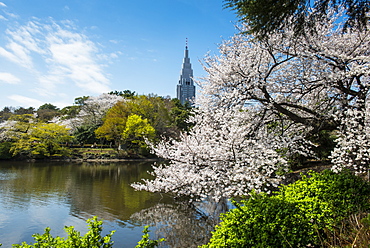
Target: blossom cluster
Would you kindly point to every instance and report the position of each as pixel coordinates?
(216, 159)
(353, 142)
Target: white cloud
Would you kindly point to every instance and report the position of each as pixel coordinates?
(26, 101)
(17, 54)
(11, 15)
(27, 37)
(2, 4)
(75, 57)
(8, 78)
(56, 53)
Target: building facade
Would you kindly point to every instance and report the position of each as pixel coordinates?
(186, 87)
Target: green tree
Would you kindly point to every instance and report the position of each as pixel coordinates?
(69, 111)
(150, 108)
(18, 125)
(136, 131)
(125, 93)
(23, 111)
(85, 134)
(47, 111)
(79, 101)
(167, 118)
(6, 113)
(180, 114)
(266, 16)
(114, 124)
(298, 215)
(42, 140)
(5, 150)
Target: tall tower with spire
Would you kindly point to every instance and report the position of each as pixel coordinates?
(186, 87)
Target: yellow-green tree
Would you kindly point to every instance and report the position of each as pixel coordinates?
(116, 117)
(156, 111)
(114, 123)
(136, 131)
(42, 140)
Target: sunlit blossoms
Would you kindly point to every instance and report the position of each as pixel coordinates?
(353, 149)
(266, 100)
(217, 159)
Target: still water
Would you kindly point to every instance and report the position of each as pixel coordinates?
(57, 194)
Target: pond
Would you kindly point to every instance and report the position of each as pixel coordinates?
(57, 194)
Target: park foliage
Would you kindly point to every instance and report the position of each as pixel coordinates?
(301, 214)
(93, 238)
(120, 120)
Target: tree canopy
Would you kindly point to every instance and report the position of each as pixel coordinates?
(132, 119)
(29, 137)
(266, 16)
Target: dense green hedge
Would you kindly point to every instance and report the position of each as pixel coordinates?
(296, 216)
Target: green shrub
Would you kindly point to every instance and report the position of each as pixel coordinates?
(145, 242)
(5, 150)
(262, 221)
(327, 197)
(296, 216)
(92, 239)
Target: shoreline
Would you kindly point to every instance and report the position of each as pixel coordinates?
(84, 160)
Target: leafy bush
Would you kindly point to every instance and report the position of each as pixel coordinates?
(145, 242)
(5, 150)
(261, 221)
(92, 239)
(296, 216)
(327, 197)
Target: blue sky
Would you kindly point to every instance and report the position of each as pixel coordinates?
(55, 51)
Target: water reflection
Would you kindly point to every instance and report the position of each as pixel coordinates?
(180, 225)
(36, 195)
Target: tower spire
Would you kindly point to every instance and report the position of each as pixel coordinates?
(186, 87)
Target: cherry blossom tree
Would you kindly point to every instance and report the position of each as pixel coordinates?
(92, 111)
(217, 159)
(262, 102)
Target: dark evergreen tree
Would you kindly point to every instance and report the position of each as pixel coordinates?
(266, 16)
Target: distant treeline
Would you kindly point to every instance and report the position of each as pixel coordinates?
(119, 119)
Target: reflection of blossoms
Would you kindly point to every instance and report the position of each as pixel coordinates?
(181, 225)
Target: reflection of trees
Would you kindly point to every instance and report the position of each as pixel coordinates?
(181, 225)
(104, 190)
(90, 189)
